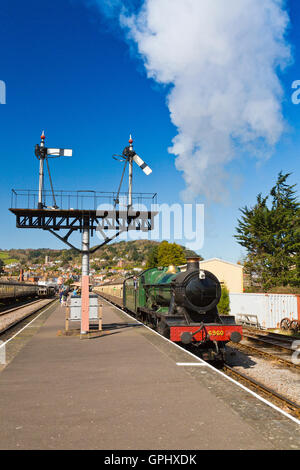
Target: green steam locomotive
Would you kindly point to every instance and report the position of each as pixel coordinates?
(181, 306)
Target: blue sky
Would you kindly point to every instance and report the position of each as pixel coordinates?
(69, 70)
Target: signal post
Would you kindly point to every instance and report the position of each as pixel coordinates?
(85, 281)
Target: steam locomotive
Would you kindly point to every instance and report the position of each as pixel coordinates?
(181, 306)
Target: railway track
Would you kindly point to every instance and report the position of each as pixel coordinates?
(14, 316)
(263, 390)
(274, 340)
(272, 347)
(271, 356)
(269, 345)
(269, 336)
(18, 307)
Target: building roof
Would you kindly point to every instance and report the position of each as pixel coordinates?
(222, 261)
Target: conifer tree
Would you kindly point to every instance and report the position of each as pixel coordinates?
(286, 230)
(271, 237)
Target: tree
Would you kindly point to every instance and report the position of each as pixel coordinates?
(35, 254)
(69, 282)
(134, 254)
(152, 260)
(166, 254)
(224, 304)
(286, 227)
(192, 254)
(1, 266)
(254, 233)
(170, 253)
(271, 237)
(66, 256)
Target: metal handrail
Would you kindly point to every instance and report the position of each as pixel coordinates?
(27, 198)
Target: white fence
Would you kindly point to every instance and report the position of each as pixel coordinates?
(269, 309)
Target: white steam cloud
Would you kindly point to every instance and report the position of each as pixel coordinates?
(221, 59)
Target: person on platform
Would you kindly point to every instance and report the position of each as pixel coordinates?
(61, 291)
(64, 296)
(75, 292)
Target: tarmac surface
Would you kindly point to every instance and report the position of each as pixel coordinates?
(124, 390)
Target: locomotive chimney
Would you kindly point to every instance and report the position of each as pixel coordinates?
(192, 264)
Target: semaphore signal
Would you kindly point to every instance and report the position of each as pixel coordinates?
(130, 156)
(43, 154)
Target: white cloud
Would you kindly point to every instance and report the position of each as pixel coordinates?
(221, 58)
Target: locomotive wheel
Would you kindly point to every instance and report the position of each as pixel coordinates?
(285, 324)
(295, 326)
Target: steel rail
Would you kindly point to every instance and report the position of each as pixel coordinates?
(293, 407)
(260, 333)
(19, 320)
(269, 356)
(285, 344)
(4, 312)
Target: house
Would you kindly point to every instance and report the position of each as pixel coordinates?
(230, 274)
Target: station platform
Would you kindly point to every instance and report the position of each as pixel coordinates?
(125, 390)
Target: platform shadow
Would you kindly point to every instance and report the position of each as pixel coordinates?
(103, 334)
(109, 329)
(120, 326)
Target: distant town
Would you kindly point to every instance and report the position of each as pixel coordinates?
(47, 266)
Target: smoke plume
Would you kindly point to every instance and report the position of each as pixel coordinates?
(221, 59)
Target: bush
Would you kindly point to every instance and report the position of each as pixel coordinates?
(224, 304)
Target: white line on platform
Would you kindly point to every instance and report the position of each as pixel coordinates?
(3, 344)
(192, 364)
(297, 421)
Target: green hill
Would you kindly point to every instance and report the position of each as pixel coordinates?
(132, 253)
